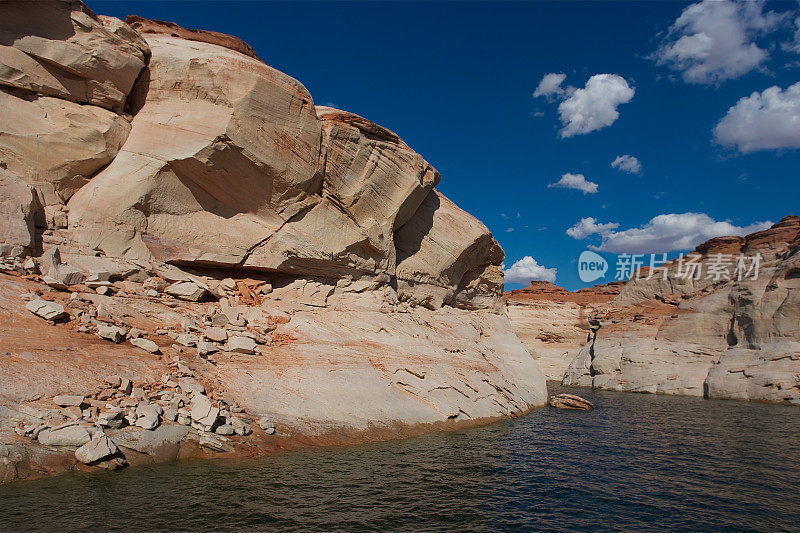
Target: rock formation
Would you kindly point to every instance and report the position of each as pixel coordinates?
(212, 223)
(703, 334)
(553, 322)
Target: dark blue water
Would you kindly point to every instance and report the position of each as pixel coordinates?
(637, 462)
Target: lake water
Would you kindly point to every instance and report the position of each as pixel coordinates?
(637, 462)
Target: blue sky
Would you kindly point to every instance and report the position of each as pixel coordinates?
(456, 81)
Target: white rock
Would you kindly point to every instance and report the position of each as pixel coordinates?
(206, 348)
(65, 436)
(45, 309)
(203, 412)
(244, 345)
(216, 334)
(145, 344)
(111, 333)
(186, 290)
(225, 429)
(96, 449)
(187, 339)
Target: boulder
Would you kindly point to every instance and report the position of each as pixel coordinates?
(100, 447)
(111, 333)
(145, 344)
(186, 290)
(55, 145)
(69, 400)
(63, 49)
(203, 412)
(113, 418)
(18, 204)
(65, 436)
(47, 310)
(241, 344)
(57, 272)
(187, 339)
(216, 334)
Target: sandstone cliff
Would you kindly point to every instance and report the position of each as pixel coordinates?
(701, 336)
(553, 323)
(199, 218)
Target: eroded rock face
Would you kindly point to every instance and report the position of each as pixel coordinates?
(18, 205)
(722, 339)
(63, 49)
(553, 322)
(222, 153)
(442, 252)
(57, 145)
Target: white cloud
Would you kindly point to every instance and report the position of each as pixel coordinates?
(627, 163)
(714, 40)
(550, 86)
(669, 232)
(595, 106)
(589, 109)
(527, 269)
(589, 226)
(769, 120)
(575, 181)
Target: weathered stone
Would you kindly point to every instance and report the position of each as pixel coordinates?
(113, 418)
(145, 344)
(570, 401)
(240, 427)
(100, 447)
(244, 345)
(224, 429)
(186, 290)
(111, 333)
(55, 145)
(216, 334)
(206, 348)
(187, 339)
(69, 400)
(203, 412)
(46, 310)
(238, 157)
(65, 436)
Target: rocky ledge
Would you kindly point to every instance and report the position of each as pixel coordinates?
(175, 209)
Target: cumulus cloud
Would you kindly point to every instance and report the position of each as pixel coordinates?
(627, 163)
(575, 181)
(769, 120)
(594, 107)
(589, 226)
(528, 269)
(666, 233)
(550, 86)
(714, 40)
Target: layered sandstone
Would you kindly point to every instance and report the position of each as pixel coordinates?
(553, 322)
(356, 297)
(705, 335)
